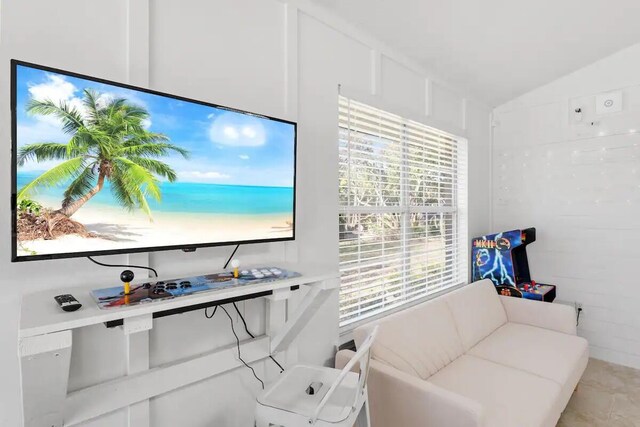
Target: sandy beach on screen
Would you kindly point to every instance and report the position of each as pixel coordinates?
(116, 229)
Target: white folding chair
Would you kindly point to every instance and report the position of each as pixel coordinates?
(319, 396)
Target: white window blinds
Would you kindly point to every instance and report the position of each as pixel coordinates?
(403, 225)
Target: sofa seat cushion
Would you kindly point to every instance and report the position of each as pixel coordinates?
(510, 397)
(543, 352)
(477, 311)
(419, 341)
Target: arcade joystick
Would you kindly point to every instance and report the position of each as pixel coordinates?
(235, 264)
(126, 277)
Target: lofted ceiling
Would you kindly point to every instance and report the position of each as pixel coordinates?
(496, 50)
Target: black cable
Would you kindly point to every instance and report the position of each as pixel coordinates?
(229, 260)
(212, 314)
(578, 316)
(244, 322)
(238, 346)
(123, 265)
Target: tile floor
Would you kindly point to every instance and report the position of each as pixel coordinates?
(607, 395)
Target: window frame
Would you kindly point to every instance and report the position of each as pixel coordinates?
(458, 266)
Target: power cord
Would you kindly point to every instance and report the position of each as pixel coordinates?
(212, 314)
(578, 308)
(123, 266)
(244, 322)
(230, 257)
(238, 345)
(578, 316)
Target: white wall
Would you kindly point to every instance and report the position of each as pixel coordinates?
(579, 184)
(274, 58)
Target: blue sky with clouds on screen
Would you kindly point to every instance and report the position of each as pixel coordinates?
(226, 147)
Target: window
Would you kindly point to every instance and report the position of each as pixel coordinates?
(403, 205)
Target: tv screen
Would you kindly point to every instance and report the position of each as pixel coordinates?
(101, 167)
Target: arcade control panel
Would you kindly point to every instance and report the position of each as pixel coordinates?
(538, 291)
(149, 292)
(533, 290)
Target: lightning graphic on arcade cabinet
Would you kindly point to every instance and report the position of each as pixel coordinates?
(493, 257)
(499, 264)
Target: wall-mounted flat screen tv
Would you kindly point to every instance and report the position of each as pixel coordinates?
(101, 168)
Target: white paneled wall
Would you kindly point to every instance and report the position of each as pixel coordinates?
(578, 183)
(402, 88)
(275, 58)
(228, 51)
(446, 107)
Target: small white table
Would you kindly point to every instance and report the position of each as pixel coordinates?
(44, 342)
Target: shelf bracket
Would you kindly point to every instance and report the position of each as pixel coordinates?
(308, 307)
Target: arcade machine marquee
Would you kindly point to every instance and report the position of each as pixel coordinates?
(502, 257)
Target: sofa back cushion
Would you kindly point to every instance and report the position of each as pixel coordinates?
(477, 311)
(419, 341)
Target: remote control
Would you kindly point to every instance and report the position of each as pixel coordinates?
(67, 302)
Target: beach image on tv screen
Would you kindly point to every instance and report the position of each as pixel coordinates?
(101, 167)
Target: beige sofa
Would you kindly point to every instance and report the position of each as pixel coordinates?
(474, 358)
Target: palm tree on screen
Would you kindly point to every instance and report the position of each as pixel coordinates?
(108, 142)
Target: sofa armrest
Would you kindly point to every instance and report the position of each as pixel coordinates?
(557, 317)
(399, 399)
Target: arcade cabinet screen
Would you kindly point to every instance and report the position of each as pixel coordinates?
(102, 167)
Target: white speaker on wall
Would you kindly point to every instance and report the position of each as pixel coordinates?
(610, 102)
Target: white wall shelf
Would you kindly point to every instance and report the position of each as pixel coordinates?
(45, 344)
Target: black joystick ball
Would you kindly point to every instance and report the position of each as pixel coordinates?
(126, 276)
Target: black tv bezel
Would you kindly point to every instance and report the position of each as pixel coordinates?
(189, 247)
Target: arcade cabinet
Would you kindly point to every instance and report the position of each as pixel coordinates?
(502, 258)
